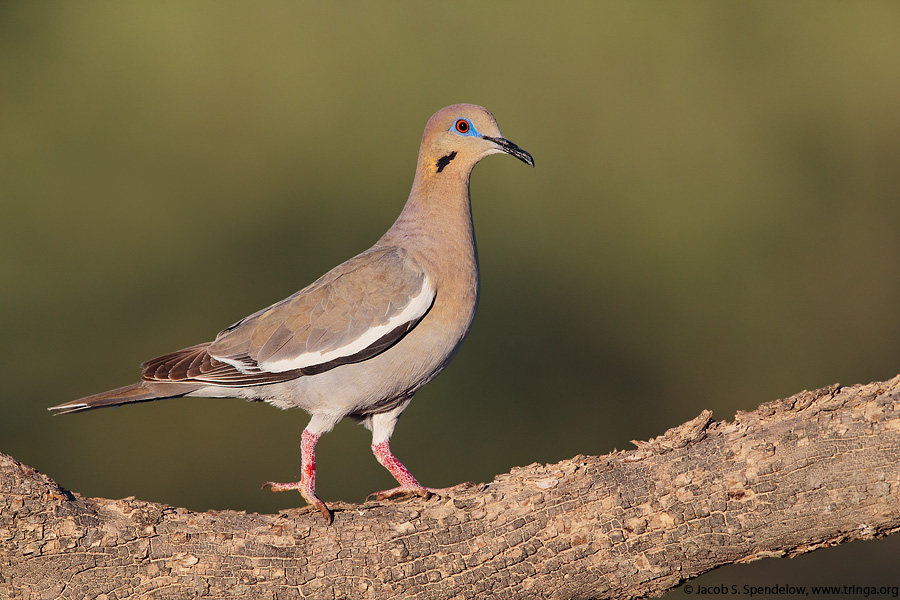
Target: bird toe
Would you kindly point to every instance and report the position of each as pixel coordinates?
(308, 494)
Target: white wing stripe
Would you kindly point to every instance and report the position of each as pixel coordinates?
(416, 307)
(244, 366)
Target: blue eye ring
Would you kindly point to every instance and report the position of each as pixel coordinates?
(464, 127)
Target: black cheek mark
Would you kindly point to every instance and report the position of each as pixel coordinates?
(444, 161)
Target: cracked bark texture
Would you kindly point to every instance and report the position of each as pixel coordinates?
(813, 470)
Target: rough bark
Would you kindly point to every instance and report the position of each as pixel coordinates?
(813, 470)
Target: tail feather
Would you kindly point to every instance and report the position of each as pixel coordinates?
(138, 392)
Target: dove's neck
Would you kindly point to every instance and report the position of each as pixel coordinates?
(436, 223)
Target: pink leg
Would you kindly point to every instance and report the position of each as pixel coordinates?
(408, 484)
(307, 484)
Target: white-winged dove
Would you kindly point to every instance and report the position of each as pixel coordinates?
(363, 338)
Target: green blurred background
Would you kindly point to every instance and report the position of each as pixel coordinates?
(713, 223)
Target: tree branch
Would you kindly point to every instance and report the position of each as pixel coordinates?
(813, 470)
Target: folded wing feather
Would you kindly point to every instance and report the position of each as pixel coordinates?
(353, 312)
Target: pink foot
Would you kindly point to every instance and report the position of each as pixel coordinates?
(408, 487)
(308, 495)
(307, 484)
